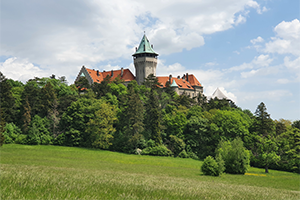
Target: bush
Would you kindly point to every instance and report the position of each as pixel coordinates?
(235, 156)
(210, 167)
(176, 145)
(159, 150)
(183, 154)
(59, 140)
(21, 139)
(11, 133)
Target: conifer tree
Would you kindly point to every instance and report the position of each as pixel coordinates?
(26, 115)
(48, 97)
(153, 118)
(263, 124)
(7, 101)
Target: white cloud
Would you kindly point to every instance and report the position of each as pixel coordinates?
(293, 66)
(276, 95)
(283, 81)
(287, 39)
(258, 62)
(255, 5)
(20, 69)
(62, 37)
(257, 40)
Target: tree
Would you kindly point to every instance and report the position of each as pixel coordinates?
(197, 136)
(7, 101)
(174, 122)
(153, 119)
(151, 82)
(74, 121)
(132, 118)
(235, 156)
(102, 88)
(263, 124)
(211, 167)
(101, 126)
(176, 145)
(296, 124)
(48, 97)
(82, 84)
(267, 151)
(38, 131)
(26, 115)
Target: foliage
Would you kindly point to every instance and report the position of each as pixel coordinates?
(197, 136)
(38, 132)
(267, 149)
(11, 133)
(176, 145)
(235, 156)
(210, 167)
(183, 154)
(263, 124)
(174, 122)
(159, 150)
(100, 128)
(152, 119)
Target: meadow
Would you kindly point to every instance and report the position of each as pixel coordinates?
(56, 172)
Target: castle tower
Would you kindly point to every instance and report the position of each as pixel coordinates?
(145, 60)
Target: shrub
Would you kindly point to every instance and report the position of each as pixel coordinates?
(21, 139)
(210, 167)
(11, 132)
(59, 140)
(235, 156)
(183, 154)
(159, 150)
(176, 145)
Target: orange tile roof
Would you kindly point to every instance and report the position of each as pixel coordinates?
(182, 84)
(127, 75)
(193, 80)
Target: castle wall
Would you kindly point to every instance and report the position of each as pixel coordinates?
(144, 66)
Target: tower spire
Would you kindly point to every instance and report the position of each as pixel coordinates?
(145, 60)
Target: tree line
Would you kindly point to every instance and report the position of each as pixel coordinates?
(142, 119)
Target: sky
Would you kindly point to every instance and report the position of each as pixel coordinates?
(249, 49)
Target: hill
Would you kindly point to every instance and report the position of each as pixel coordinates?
(55, 172)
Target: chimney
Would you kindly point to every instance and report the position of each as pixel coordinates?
(178, 77)
(112, 73)
(170, 79)
(135, 48)
(183, 77)
(187, 77)
(122, 71)
(152, 46)
(97, 72)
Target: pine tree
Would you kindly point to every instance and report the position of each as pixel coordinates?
(48, 97)
(26, 115)
(153, 118)
(7, 101)
(263, 124)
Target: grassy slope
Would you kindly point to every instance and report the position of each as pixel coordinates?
(54, 172)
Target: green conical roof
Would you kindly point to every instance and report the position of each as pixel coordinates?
(174, 84)
(145, 47)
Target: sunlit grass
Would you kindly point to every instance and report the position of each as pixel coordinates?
(50, 172)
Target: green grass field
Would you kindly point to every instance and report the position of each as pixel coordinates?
(53, 172)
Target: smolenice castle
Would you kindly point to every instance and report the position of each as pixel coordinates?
(145, 62)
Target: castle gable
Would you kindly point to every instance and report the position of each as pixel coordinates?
(95, 76)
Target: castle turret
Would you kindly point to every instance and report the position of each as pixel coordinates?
(145, 60)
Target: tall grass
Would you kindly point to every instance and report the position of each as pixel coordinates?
(50, 172)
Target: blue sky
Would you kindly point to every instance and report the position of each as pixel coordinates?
(249, 49)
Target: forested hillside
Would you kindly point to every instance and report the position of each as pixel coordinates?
(141, 119)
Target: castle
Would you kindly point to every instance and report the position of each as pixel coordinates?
(145, 62)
